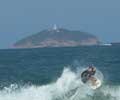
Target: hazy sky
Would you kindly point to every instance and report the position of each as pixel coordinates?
(20, 18)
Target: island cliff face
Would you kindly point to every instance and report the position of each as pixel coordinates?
(57, 38)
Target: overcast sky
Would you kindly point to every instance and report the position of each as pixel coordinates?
(20, 18)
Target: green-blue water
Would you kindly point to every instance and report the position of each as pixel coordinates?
(52, 73)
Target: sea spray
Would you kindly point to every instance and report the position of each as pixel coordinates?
(67, 87)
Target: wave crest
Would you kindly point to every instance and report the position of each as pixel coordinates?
(67, 87)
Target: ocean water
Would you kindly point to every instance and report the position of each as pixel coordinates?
(54, 73)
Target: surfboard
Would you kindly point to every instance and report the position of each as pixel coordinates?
(94, 84)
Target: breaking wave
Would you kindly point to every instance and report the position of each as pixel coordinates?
(67, 87)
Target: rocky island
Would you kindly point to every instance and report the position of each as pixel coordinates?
(57, 37)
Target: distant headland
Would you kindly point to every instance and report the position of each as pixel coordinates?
(57, 37)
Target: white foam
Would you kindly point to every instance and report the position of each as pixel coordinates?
(67, 87)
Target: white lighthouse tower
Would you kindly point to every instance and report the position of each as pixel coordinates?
(55, 27)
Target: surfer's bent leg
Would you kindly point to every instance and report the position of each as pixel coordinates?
(84, 80)
(85, 76)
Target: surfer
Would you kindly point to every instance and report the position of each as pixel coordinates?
(88, 74)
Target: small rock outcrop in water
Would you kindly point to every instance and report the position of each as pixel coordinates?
(57, 38)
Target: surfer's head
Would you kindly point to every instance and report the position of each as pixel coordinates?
(91, 68)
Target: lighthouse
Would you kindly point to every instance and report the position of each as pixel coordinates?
(55, 27)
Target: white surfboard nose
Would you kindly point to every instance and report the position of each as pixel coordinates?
(96, 85)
